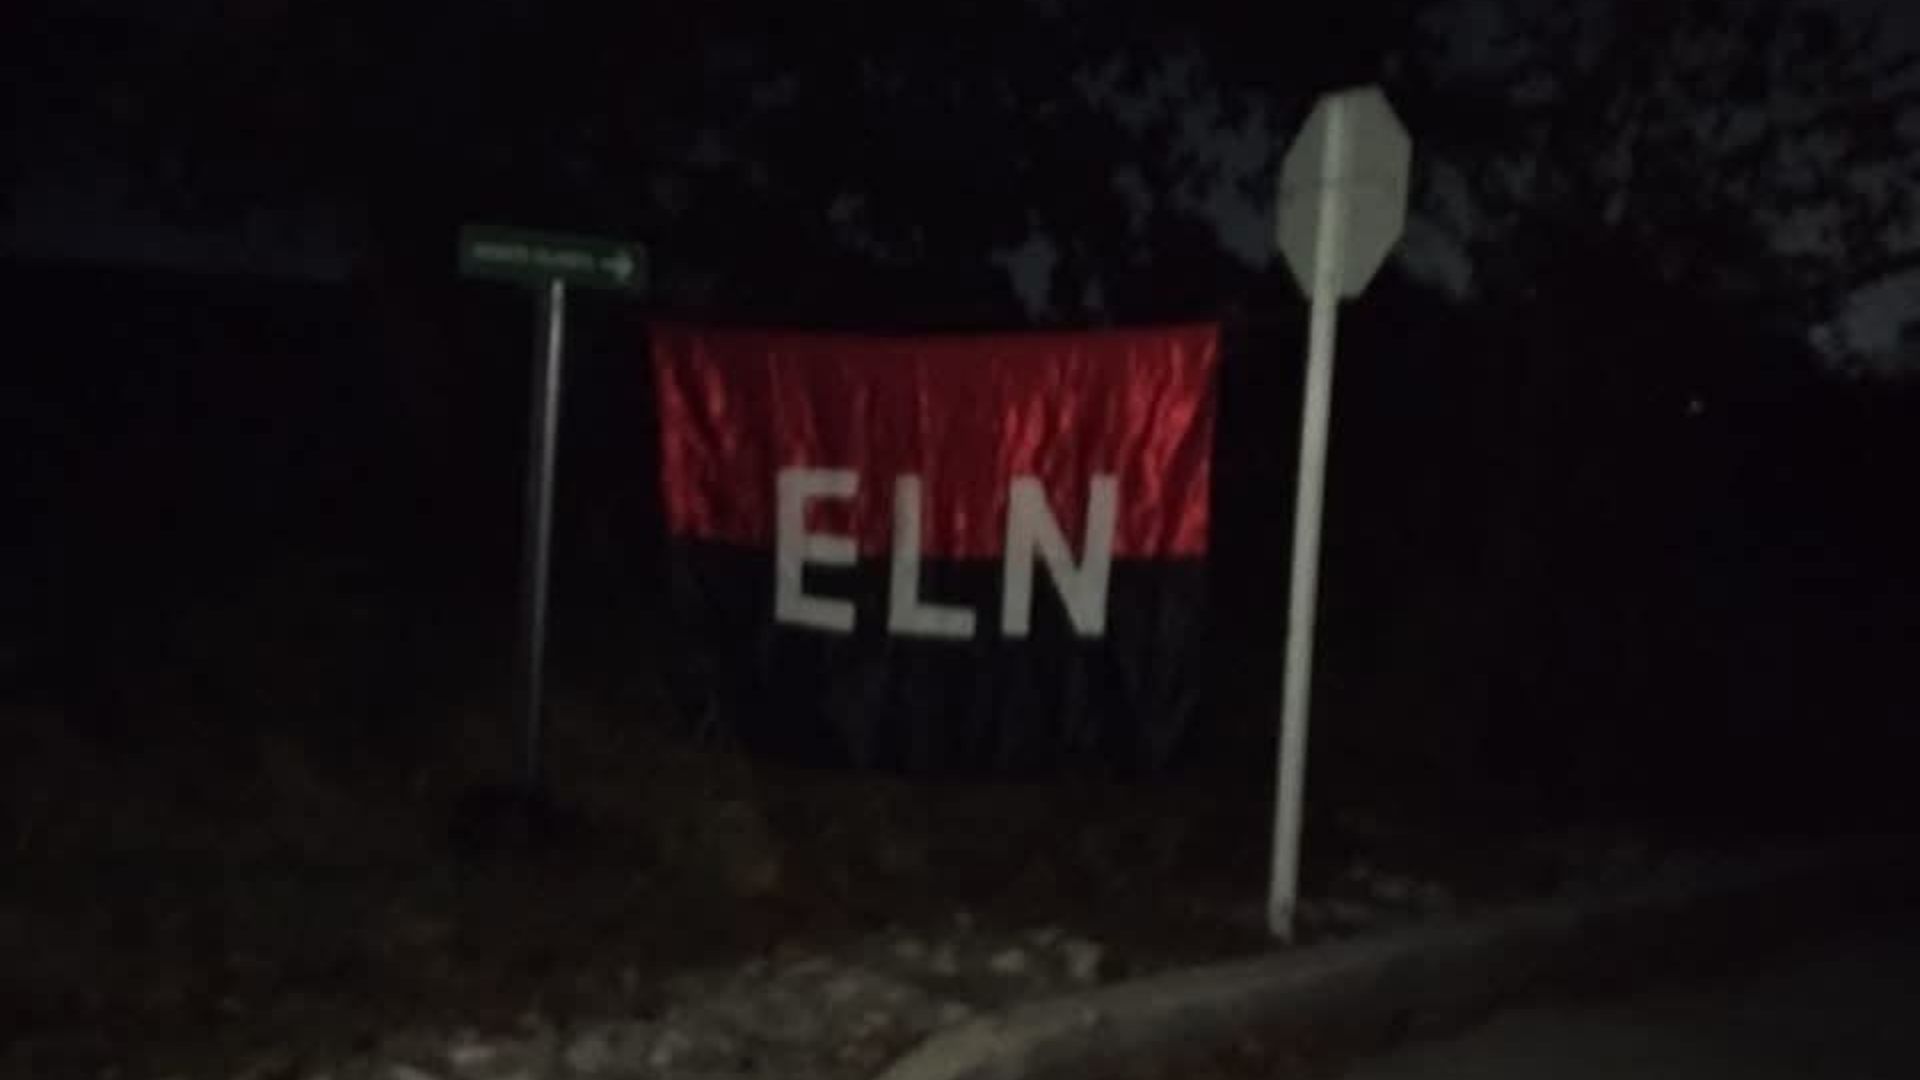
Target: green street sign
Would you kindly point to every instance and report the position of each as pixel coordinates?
(537, 257)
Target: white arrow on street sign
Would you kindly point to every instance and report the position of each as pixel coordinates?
(1343, 203)
(1351, 159)
(620, 266)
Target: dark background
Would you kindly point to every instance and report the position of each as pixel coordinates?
(1619, 536)
(1579, 587)
(1608, 533)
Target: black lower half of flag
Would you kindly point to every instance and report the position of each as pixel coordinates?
(974, 697)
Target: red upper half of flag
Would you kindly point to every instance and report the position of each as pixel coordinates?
(966, 414)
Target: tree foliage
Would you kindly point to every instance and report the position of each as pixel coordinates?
(780, 160)
(1760, 152)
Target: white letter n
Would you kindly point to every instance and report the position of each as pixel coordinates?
(1031, 531)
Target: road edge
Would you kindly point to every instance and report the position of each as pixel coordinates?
(1377, 990)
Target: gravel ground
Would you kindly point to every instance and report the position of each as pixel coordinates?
(264, 911)
(834, 1013)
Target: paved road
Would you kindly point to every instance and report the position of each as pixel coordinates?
(1845, 1009)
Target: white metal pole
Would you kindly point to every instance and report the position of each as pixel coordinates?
(543, 437)
(1282, 897)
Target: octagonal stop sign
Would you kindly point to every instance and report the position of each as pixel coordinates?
(1351, 158)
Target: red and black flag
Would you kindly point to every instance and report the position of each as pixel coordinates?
(969, 552)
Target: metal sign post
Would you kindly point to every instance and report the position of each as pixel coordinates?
(1343, 192)
(543, 439)
(549, 262)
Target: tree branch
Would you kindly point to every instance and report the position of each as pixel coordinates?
(1894, 265)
